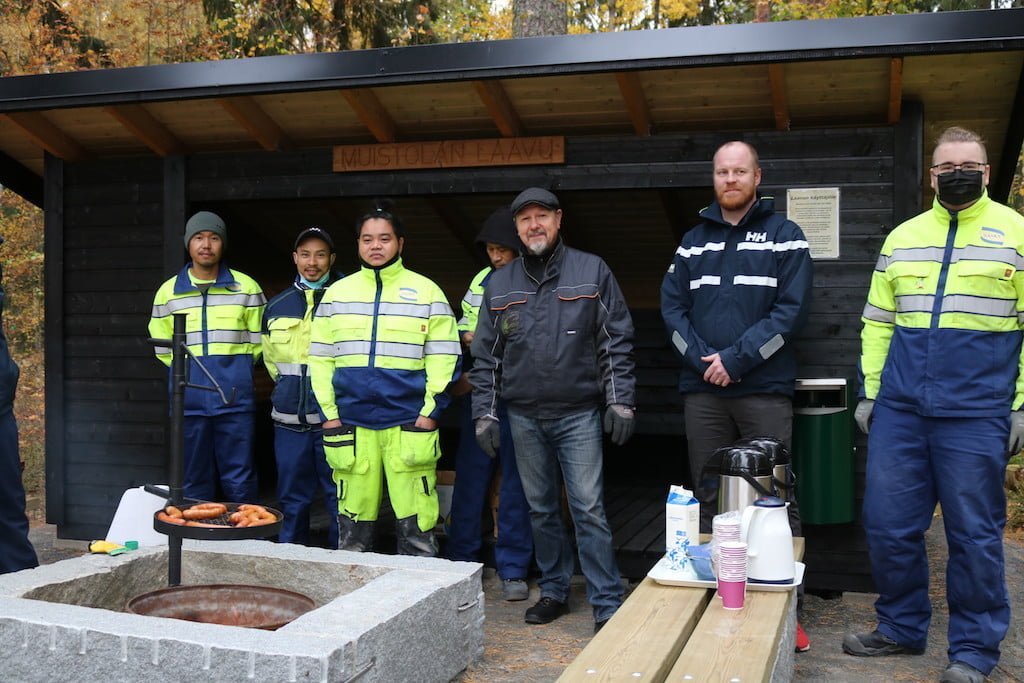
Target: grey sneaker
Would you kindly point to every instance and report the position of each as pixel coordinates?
(958, 672)
(875, 644)
(514, 590)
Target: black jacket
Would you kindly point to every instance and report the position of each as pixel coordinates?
(555, 345)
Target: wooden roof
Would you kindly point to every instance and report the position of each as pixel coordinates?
(964, 67)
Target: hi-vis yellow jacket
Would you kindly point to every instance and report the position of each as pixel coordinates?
(222, 328)
(384, 348)
(472, 299)
(942, 325)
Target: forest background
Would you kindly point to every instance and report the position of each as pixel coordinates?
(45, 36)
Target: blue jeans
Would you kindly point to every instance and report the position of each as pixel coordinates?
(549, 451)
(474, 470)
(914, 461)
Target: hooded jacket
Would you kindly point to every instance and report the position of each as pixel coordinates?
(555, 345)
(499, 228)
(742, 291)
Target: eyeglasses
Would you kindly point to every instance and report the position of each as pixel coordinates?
(967, 167)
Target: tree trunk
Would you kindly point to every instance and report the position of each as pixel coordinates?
(539, 18)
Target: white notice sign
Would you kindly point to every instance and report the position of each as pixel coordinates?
(816, 211)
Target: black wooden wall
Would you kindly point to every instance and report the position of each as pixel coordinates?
(113, 234)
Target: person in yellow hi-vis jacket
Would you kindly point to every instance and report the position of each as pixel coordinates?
(384, 348)
(225, 309)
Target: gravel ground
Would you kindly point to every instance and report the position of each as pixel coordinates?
(519, 653)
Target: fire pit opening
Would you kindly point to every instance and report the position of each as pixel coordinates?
(260, 607)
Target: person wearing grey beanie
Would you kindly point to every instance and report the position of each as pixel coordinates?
(205, 221)
(224, 310)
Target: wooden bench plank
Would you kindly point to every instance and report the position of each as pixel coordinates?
(735, 645)
(660, 617)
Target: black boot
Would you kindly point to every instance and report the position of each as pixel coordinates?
(412, 541)
(353, 535)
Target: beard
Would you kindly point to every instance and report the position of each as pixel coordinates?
(733, 202)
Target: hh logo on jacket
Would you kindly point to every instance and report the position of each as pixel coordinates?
(757, 236)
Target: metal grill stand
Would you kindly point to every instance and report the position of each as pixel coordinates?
(180, 356)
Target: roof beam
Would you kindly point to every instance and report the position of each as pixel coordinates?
(143, 125)
(500, 107)
(42, 132)
(457, 222)
(780, 105)
(1002, 178)
(257, 122)
(895, 90)
(636, 102)
(20, 179)
(372, 113)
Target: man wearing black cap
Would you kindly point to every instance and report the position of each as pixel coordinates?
(302, 469)
(474, 468)
(224, 308)
(554, 343)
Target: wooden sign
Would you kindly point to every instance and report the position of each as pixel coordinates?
(450, 154)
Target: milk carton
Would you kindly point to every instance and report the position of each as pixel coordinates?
(682, 518)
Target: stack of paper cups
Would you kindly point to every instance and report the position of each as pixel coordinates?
(732, 573)
(723, 528)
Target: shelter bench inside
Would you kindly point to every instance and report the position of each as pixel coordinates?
(678, 633)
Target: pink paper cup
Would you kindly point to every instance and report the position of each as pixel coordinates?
(732, 593)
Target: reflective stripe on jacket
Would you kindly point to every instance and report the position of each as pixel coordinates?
(943, 320)
(286, 328)
(555, 347)
(742, 291)
(222, 329)
(471, 301)
(384, 348)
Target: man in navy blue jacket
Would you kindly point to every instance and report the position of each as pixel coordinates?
(735, 296)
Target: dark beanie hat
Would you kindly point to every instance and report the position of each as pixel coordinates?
(205, 221)
(500, 228)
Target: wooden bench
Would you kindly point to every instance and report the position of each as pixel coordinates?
(679, 633)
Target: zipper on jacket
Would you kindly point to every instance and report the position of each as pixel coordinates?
(940, 286)
(206, 328)
(376, 317)
(304, 367)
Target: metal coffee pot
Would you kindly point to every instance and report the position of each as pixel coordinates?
(744, 475)
(782, 466)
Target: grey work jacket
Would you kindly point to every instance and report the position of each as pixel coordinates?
(553, 347)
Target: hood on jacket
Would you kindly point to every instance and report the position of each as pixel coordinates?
(500, 228)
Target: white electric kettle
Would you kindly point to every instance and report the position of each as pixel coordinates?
(765, 529)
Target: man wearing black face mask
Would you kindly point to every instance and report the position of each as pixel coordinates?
(943, 396)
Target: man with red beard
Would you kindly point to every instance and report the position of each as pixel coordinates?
(736, 294)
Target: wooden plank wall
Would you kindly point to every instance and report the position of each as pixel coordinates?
(113, 388)
(114, 250)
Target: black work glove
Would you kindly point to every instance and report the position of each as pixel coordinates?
(619, 421)
(488, 435)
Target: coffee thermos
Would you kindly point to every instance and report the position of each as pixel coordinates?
(744, 475)
(752, 468)
(782, 466)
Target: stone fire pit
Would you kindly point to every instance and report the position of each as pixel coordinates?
(378, 618)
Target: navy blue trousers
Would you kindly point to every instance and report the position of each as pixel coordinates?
(474, 470)
(914, 462)
(302, 476)
(219, 449)
(16, 552)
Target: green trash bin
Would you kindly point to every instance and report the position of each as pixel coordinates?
(823, 450)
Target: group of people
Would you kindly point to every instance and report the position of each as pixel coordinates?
(364, 366)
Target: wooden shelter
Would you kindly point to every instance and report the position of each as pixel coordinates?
(118, 159)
